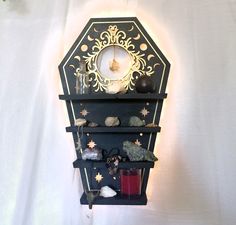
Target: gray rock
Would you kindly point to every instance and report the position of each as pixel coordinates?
(137, 153)
(92, 124)
(112, 121)
(135, 121)
(80, 122)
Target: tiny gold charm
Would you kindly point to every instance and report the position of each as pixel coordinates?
(114, 65)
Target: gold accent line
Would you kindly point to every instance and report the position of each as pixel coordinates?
(155, 112)
(68, 92)
(153, 120)
(149, 142)
(86, 175)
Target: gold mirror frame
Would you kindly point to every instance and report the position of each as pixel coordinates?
(110, 37)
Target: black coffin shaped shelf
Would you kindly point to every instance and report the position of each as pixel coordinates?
(116, 53)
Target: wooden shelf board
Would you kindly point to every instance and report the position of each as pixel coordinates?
(79, 163)
(114, 129)
(104, 96)
(116, 200)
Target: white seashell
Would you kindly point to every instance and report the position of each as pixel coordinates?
(107, 192)
(115, 87)
(80, 122)
(112, 121)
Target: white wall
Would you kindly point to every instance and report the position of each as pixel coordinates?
(194, 181)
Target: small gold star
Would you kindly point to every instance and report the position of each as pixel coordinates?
(137, 142)
(144, 112)
(98, 177)
(84, 112)
(91, 144)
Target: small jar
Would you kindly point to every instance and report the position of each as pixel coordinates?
(130, 182)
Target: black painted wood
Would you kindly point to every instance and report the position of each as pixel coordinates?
(114, 129)
(131, 96)
(116, 200)
(79, 163)
(101, 105)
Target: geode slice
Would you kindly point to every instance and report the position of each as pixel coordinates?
(92, 154)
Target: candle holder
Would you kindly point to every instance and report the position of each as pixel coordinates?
(130, 182)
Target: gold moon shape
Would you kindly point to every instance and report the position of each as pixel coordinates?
(131, 28)
(137, 37)
(156, 64)
(143, 47)
(150, 56)
(72, 66)
(77, 57)
(95, 29)
(84, 48)
(89, 38)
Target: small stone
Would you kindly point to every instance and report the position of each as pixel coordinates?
(112, 121)
(135, 121)
(92, 124)
(107, 192)
(80, 122)
(115, 87)
(151, 125)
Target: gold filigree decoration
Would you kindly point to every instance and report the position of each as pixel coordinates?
(111, 37)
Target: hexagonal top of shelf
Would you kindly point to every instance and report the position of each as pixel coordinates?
(114, 49)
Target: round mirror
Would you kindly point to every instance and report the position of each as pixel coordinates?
(114, 62)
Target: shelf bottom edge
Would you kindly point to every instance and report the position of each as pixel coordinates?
(116, 200)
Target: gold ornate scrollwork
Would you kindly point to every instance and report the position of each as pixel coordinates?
(115, 37)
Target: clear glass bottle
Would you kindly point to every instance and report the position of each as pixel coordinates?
(82, 79)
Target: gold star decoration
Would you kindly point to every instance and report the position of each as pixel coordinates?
(144, 112)
(91, 144)
(137, 142)
(84, 112)
(98, 177)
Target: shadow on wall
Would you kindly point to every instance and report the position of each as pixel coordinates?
(178, 195)
(18, 6)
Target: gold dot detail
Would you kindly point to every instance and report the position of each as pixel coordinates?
(84, 48)
(143, 47)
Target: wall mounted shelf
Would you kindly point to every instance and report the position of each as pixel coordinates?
(125, 34)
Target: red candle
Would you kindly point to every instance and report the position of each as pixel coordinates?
(130, 182)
